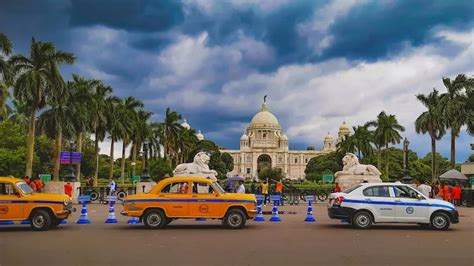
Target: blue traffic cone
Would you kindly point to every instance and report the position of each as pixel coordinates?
(6, 223)
(134, 220)
(83, 219)
(200, 219)
(25, 222)
(309, 215)
(275, 217)
(111, 219)
(259, 217)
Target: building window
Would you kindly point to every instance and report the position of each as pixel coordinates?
(296, 160)
(264, 135)
(306, 160)
(249, 159)
(248, 171)
(280, 159)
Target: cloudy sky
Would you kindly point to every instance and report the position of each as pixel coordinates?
(319, 62)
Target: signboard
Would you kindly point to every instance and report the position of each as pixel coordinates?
(45, 178)
(135, 178)
(328, 178)
(309, 198)
(472, 181)
(275, 197)
(260, 197)
(67, 157)
(84, 198)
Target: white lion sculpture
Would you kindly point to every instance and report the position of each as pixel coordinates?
(353, 167)
(198, 166)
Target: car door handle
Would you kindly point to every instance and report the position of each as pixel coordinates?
(194, 196)
(369, 200)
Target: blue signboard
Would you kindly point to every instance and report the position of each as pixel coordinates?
(275, 197)
(260, 197)
(309, 198)
(84, 198)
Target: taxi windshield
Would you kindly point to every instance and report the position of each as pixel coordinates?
(24, 187)
(219, 188)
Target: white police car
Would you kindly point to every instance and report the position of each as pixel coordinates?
(369, 203)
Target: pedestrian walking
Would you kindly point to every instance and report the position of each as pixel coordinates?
(265, 192)
(447, 192)
(68, 189)
(456, 194)
(424, 188)
(241, 188)
(112, 187)
(279, 191)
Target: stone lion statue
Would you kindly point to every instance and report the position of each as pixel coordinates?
(353, 167)
(198, 166)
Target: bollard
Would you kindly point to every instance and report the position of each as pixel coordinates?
(83, 219)
(6, 223)
(259, 217)
(275, 217)
(134, 220)
(111, 219)
(309, 215)
(25, 222)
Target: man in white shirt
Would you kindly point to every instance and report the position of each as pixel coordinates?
(112, 187)
(424, 188)
(241, 188)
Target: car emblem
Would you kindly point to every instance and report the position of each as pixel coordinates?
(410, 210)
(203, 208)
(3, 209)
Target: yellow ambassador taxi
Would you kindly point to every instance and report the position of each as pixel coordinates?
(18, 202)
(190, 197)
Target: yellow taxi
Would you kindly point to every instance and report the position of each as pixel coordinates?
(190, 197)
(18, 202)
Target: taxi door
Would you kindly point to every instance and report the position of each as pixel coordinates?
(174, 198)
(409, 208)
(378, 199)
(10, 202)
(205, 201)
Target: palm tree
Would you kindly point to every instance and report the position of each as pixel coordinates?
(141, 132)
(469, 99)
(363, 140)
(169, 132)
(82, 91)
(58, 121)
(454, 109)
(187, 142)
(387, 131)
(98, 120)
(130, 109)
(37, 76)
(431, 121)
(18, 113)
(5, 73)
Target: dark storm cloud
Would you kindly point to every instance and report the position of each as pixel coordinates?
(137, 15)
(382, 28)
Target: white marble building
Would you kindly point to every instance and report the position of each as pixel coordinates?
(264, 145)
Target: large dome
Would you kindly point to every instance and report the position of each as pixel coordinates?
(264, 119)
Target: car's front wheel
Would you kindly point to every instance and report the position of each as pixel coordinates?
(440, 221)
(154, 219)
(234, 219)
(41, 220)
(362, 220)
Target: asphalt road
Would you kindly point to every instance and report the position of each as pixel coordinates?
(188, 242)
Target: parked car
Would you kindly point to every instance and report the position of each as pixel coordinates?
(190, 197)
(18, 202)
(369, 203)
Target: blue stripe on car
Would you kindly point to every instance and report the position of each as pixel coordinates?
(399, 203)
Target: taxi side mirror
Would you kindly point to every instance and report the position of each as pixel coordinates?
(419, 197)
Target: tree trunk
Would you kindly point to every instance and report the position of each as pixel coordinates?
(134, 158)
(79, 149)
(379, 157)
(96, 173)
(57, 155)
(433, 159)
(453, 148)
(111, 159)
(387, 160)
(122, 167)
(30, 144)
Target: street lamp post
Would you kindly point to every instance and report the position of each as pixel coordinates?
(145, 175)
(406, 178)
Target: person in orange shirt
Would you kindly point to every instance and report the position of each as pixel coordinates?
(279, 191)
(456, 194)
(33, 186)
(447, 193)
(39, 185)
(68, 189)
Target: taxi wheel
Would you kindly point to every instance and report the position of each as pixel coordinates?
(362, 220)
(234, 219)
(440, 221)
(41, 220)
(154, 219)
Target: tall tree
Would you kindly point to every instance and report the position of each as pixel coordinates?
(387, 131)
(431, 121)
(131, 107)
(169, 134)
(37, 75)
(142, 131)
(5, 73)
(454, 109)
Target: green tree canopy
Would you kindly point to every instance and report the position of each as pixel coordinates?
(317, 166)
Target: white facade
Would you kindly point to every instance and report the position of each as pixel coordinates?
(264, 145)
